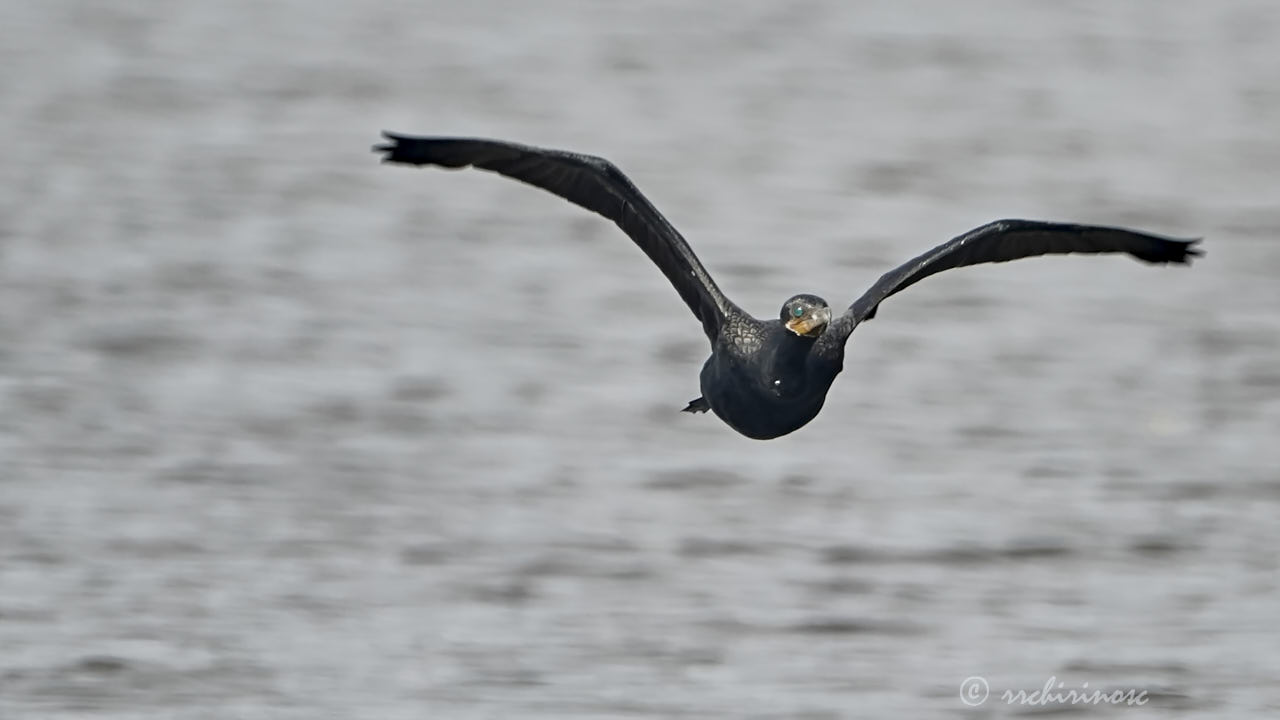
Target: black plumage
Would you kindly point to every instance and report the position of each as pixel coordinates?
(765, 378)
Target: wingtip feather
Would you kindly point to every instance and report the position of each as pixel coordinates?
(391, 149)
(1191, 249)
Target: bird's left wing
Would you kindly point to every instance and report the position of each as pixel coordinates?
(1005, 240)
(590, 182)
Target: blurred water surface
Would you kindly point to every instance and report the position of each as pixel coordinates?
(287, 434)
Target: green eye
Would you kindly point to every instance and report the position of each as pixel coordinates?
(797, 311)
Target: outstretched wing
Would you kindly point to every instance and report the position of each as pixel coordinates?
(590, 182)
(1005, 240)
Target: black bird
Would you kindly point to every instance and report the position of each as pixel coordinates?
(765, 378)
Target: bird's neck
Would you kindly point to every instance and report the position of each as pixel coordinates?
(790, 355)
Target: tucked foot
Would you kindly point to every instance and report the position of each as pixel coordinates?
(698, 405)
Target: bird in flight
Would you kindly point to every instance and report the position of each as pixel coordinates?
(765, 378)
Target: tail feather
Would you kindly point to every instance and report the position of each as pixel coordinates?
(697, 405)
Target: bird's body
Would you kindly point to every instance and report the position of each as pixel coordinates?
(765, 381)
(765, 378)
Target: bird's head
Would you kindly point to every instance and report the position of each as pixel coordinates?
(806, 315)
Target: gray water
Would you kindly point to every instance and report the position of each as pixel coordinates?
(289, 434)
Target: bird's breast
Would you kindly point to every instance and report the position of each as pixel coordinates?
(759, 403)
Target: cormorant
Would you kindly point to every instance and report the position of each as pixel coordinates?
(765, 378)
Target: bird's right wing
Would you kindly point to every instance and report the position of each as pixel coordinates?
(1005, 240)
(590, 182)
